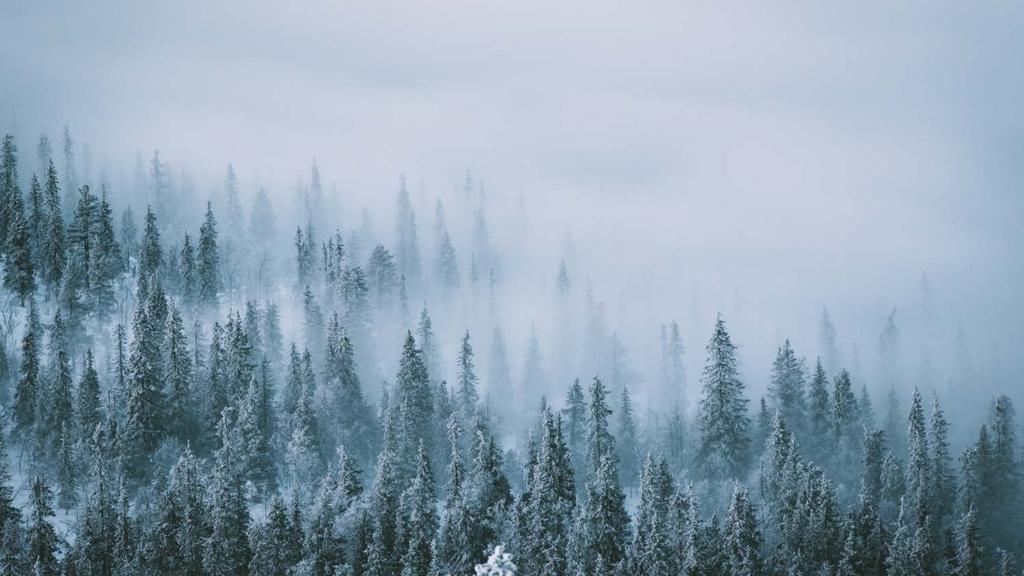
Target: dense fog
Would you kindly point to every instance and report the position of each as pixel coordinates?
(824, 199)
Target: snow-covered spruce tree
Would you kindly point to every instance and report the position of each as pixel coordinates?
(600, 441)
(786, 389)
(256, 421)
(417, 520)
(20, 271)
(451, 552)
(602, 525)
(176, 541)
(27, 393)
(742, 537)
(723, 446)
(145, 423)
(544, 511)
(42, 550)
(303, 452)
(53, 260)
(414, 403)
(942, 488)
(10, 515)
(323, 548)
(429, 349)
(272, 542)
(969, 552)
(181, 401)
(208, 262)
(358, 427)
(628, 442)
(488, 491)
(467, 383)
(651, 551)
(227, 551)
(819, 417)
(88, 407)
(382, 555)
(574, 425)
(919, 465)
(150, 253)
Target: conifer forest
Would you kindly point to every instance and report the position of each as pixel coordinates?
(576, 290)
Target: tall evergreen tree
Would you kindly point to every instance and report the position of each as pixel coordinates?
(42, 538)
(151, 254)
(27, 393)
(208, 261)
(786, 389)
(722, 450)
(742, 537)
(467, 379)
(628, 443)
(417, 520)
(53, 261)
(89, 407)
(227, 549)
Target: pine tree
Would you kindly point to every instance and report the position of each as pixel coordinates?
(89, 409)
(1004, 477)
(969, 552)
(786, 389)
(722, 451)
(451, 552)
(742, 537)
(357, 422)
(904, 558)
(381, 276)
(382, 554)
(150, 254)
(943, 479)
(19, 273)
(54, 248)
(628, 442)
(919, 467)
(428, 347)
(303, 450)
(600, 441)
(67, 496)
(574, 420)
(417, 520)
(227, 549)
(487, 491)
(547, 507)
(652, 551)
(208, 262)
(271, 542)
(413, 399)
(603, 524)
(42, 538)
(819, 415)
(847, 431)
(28, 390)
(469, 397)
(189, 273)
(8, 186)
(10, 515)
(324, 551)
(144, 427)
(61, 404)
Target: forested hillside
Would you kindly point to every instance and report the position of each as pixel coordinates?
(225, 387)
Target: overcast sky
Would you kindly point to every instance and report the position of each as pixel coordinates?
(789, 154)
